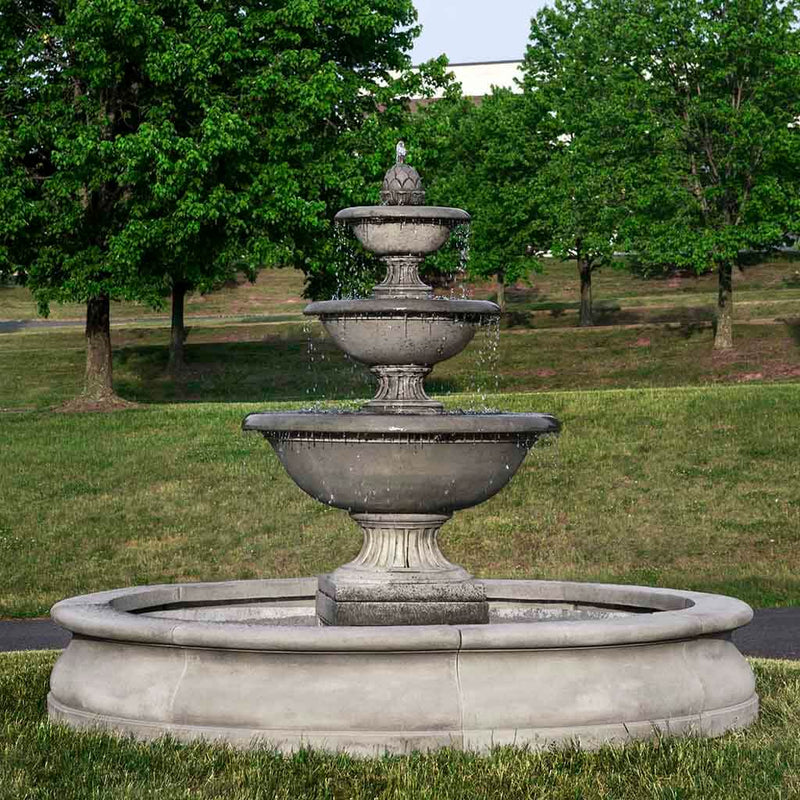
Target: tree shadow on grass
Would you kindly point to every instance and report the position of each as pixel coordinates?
(693, 316)
(794, 329)
(273, 370)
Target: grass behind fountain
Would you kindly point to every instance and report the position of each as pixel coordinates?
(40, 760)
(696, 488)
(253, 362)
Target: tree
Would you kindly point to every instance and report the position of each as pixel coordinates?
(484, 158)
(153, 147)
(581, 189)
(703, 95)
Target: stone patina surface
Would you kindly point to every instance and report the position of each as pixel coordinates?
(446, 603)
(213, 661)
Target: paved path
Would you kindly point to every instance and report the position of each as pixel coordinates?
(773, 633)
(14, 325)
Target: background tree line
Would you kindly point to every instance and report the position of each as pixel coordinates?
(662, 130)
(148, 150)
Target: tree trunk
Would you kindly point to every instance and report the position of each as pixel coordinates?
(98, 383)
(723, 335)
(585, 271)
(178, 331)
(501, 290)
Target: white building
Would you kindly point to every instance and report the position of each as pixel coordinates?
(477, 78)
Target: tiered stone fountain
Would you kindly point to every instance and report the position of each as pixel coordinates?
(401, 649)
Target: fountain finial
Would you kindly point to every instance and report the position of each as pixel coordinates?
(402, 185)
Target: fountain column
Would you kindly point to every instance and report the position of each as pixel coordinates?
(400, 577)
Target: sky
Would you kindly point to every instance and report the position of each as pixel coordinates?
(474, 30)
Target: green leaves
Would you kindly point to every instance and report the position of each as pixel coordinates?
(715, 88)
(483, 159)
(144, 143)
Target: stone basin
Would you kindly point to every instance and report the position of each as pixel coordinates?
(388, 463)
(402, 230)
(412, 331)
(559, 664)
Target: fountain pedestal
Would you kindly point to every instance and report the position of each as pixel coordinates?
(401, 577)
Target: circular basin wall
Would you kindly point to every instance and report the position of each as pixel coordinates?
(245, 663)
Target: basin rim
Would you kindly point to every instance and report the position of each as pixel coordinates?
(439, 307)
(445, 424)
(112, 615)
(424, 214)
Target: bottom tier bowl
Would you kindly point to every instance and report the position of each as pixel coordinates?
(246, 663)
(401, 464)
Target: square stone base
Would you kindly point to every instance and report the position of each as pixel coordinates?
(453, 603)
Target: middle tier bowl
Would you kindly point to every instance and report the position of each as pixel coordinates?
(402, 331)
(389, 463)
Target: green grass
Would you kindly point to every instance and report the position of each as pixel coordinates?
(274, 362)
(650, 333)
(552, 297)
(691, 488)
(277, 291)
(42, 761)
(694, 488)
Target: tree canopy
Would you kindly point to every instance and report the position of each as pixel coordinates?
(692, 105)
(585, 178)
(148, 144)
(484, 158)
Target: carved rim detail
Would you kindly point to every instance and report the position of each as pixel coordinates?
(526, 440)
(423, 316)
(402, 278)
(401, 389)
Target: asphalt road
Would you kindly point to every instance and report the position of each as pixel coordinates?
(773, 633)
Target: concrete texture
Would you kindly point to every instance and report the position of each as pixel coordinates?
(411, 332)
(401, 464)
(402, 230)
(595, 679)
(401, 603)
(773, 633)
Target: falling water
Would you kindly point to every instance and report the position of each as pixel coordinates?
(316, 389)
(352, 268)
(484, 375)
(545, 452)
(461, 241)
(329, 377)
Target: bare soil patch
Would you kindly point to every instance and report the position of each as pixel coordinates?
(85, 405)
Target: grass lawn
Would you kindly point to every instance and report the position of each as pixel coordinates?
(263, 362)
(43, 761)
(250, 344)
(553, 293)
(695, 488)
(683, 472)
(277, 292)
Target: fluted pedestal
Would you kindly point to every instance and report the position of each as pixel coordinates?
(401, 577)
(401, 390)
(402, 279)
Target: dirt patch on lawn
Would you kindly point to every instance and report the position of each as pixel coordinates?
(85, 405)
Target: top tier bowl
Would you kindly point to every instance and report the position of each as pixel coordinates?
(402, 230)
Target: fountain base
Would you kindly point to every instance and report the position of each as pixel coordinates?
(453, 603)
(401, 577)
(246, 663)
